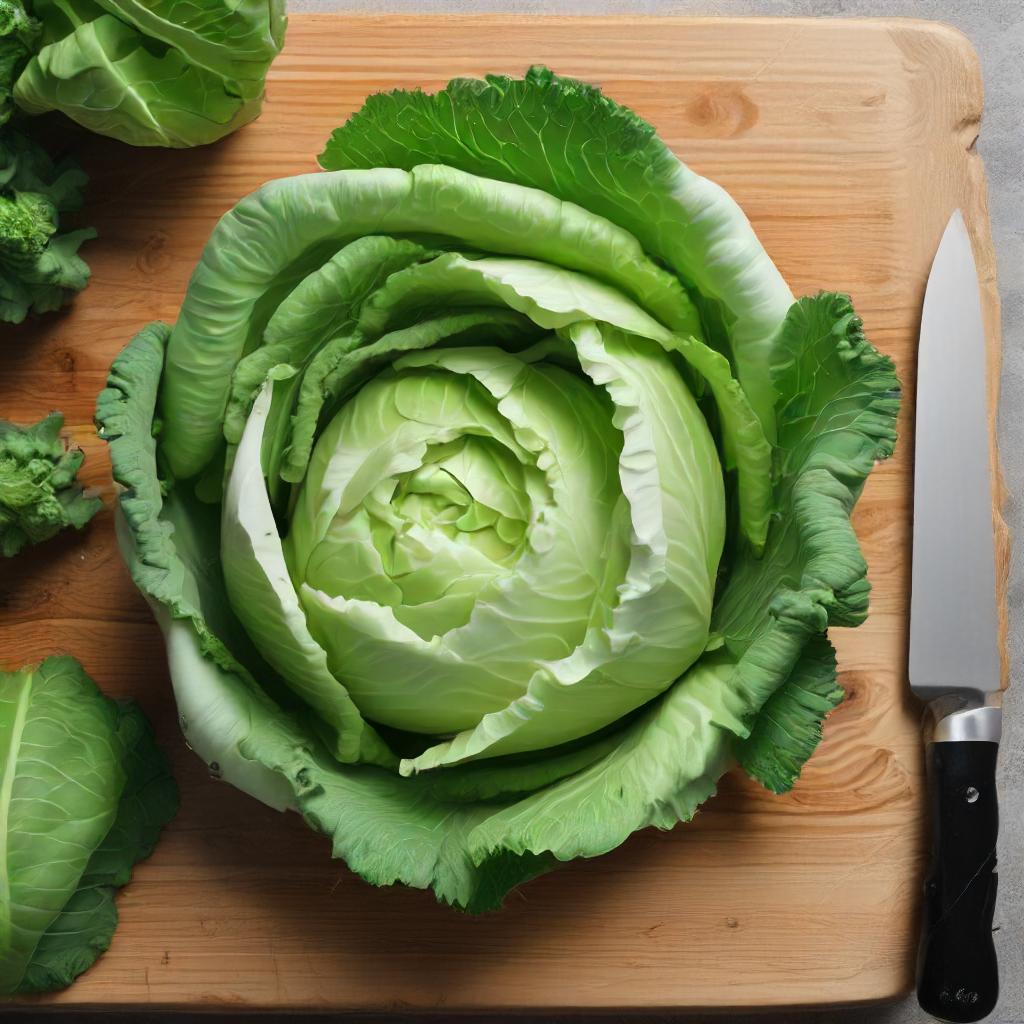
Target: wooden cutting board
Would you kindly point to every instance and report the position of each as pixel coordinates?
(848, 143)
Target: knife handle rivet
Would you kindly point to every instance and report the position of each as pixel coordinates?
(971, 795)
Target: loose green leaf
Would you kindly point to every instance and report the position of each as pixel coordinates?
(85, 926)
(84, 792)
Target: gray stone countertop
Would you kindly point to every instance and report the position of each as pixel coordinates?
(996, 28)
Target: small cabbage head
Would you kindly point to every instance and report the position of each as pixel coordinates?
(149, 72)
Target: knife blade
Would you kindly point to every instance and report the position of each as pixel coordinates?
(954, 662)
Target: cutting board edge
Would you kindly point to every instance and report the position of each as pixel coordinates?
(218, 1006)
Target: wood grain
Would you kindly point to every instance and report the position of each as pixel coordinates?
(848, 144)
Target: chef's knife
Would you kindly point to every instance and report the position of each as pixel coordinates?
(954, 638)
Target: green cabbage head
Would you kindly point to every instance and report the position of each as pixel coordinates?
(147, 72)
(493, 492)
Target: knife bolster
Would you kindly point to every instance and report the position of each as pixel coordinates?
(984, 724)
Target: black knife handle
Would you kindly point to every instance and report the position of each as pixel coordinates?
(957, 972)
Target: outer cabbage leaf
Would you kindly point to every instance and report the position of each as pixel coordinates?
(564, 137)
(180, 577)
(275, 234)
(838, 398)
(266, 603)
(40, 267)
(39, 495)
(789, 727)
(153, 74)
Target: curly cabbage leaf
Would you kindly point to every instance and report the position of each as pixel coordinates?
(492, 491)
(84, 794)
(156, 73)
(39, 495)
(40, 268)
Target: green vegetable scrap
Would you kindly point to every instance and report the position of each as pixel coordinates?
(492, 490)
(154, 73)
(39, 266)
(39, 495)
(84, 793)
(18, 36)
